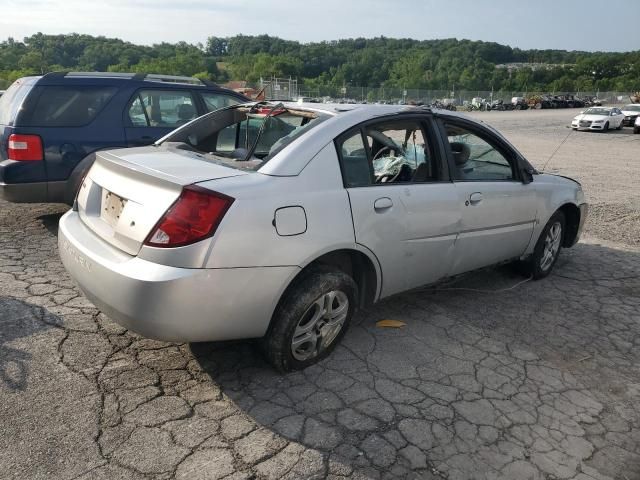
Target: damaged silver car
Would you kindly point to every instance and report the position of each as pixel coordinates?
(277, 221)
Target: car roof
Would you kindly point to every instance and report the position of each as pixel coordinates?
(343, 117)
(140, 79)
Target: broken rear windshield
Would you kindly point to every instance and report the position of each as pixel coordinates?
(229, 135)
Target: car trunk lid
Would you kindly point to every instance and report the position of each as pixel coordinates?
(127, 191)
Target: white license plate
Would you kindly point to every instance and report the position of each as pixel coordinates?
(111, 207)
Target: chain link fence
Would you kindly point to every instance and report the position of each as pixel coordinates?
(288, 89)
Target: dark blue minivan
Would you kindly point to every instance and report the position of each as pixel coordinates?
(51, 125)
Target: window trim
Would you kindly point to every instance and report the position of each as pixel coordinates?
(505, 150)
(429, 132)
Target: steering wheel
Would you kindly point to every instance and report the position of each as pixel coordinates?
(387, 177)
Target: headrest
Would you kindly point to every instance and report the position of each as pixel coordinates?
(461, 153)
(186, 111)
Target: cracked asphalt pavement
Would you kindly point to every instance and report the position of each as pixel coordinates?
(540, 381)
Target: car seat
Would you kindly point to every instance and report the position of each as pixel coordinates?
(461, 154)
(186, 112)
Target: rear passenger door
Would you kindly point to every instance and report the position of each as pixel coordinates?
(152, 113)
(498, 209)
(405, 209)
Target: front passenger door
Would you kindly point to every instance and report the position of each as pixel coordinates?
(498, 209)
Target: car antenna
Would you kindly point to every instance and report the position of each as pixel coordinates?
(556, 150)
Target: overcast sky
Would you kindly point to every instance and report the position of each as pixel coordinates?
(562, 24)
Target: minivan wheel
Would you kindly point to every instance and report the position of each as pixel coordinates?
(547, 250)
(311, 319)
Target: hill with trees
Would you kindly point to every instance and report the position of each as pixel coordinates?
(381, 61)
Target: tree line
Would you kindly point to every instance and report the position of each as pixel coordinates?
(400, 63)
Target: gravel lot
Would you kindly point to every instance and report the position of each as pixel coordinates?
(541, 381)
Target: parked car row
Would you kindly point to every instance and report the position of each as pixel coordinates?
(605, 118)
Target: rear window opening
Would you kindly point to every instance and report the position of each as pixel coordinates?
(244, 137)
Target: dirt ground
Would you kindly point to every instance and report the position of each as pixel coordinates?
(606, 164)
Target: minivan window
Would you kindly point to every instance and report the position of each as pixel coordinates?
(162, 108)
(57, 106)
(214, 101)
(11, 101)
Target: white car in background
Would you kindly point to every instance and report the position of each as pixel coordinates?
(631, 113)
(636, 126)
(599, 119)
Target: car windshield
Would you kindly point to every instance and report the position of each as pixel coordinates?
(632, 108)
(244, 136)
(597, 111)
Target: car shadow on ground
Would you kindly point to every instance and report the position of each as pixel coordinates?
(18, 321)
(481, 364)
(50, 221)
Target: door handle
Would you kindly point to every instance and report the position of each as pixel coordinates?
(382, 204)
(475, 198)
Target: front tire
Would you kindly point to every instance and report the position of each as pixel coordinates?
(547, 249)
(606, 127)
(311, 319)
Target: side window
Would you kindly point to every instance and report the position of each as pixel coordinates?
(226, 141)
(391, 152)
(356, 167)
(67, 106)
(474, 158)
(158, 108)
(214, 101)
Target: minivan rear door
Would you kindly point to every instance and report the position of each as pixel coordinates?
(10, 105)
(152, 113)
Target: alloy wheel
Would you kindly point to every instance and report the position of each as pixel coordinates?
(551, 246)
(320, 325)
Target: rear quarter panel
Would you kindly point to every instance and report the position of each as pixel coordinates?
(247, 236)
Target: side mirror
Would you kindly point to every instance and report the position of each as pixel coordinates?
(527, 172)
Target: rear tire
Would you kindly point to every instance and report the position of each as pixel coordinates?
(619, 126)
(547, 249)
(311, 319)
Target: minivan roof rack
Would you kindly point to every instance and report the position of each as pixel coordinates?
(149, 77)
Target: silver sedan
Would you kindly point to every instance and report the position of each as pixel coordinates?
(278, 221)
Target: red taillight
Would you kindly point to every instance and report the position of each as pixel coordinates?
(24, 148)
(194, 216)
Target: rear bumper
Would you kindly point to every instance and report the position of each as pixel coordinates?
(35, 192)
(170, 303)
(24, 192)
